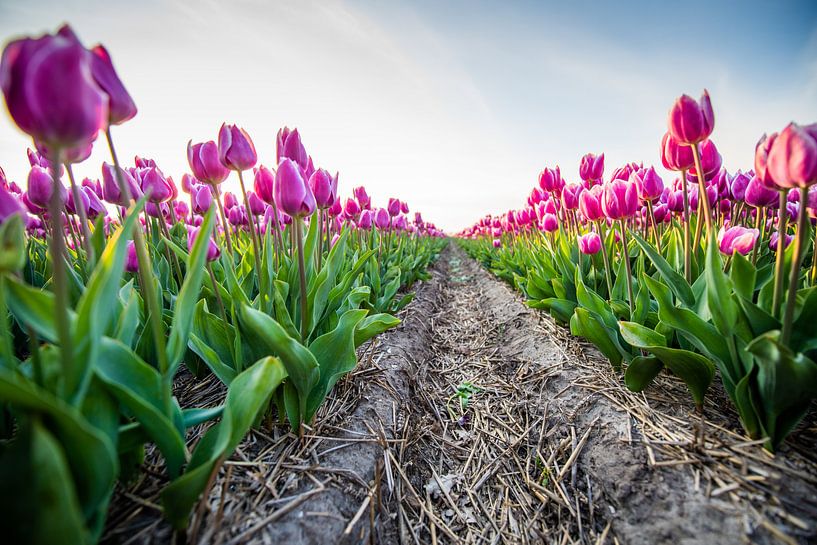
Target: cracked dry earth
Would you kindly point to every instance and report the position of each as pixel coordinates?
(478, 420)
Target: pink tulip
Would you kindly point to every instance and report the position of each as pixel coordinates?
(9, 205)
(131, 260)
(762, 149)
(393, 207)
(691, 121)
(352, 208)
(201, 198)
(321, 184)
(775, 237)
(590, 203)
(550, 180)
(235, 148)
(711, 161)
(155, 185)
(758, 195)
(737, 239)
(120, 104)
(365, 220)
(382, 219)
(649, 185)
(264, 184)
(213, 251)
(362, 197)
(291, 147)
(497, 243)
(738, 186)
(591, 168)
(550, 223)
(619, 200)
(230, 200)
(792, 159)
(674, 155)
(590, 243)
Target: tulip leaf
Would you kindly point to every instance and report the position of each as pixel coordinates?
(641, 371)
(675, 281)
(374, 325)
(641, 336)
(718, 291)
(585, 324)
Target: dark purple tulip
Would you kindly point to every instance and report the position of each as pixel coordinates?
(291, 147)
(264, 184)
(591, 168)
(691, 121)
(40, 185)
(71, 206)
(674, 155)
(50, 92)
(291, 192)
(9, 205)
(758, 195)
(120, 104)
(235, 148)
(775, 237)
(321, 185)
(205, 163)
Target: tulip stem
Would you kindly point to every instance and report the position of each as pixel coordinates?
(60, 285)
(219, 300)
(782, 225)
(759, 242)
(626, 257)
(654, 227)
(5, 336)
(796, 262)
(687, 234)
(224, 224)
(79, 208)
(297, 224)
(699, 171)
(814, 262)
(606, 260)
(149, 289)
(253, 235)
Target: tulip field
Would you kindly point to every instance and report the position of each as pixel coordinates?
(623, 359)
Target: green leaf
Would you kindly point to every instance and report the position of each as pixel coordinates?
(374, 325)
(675, 281)
(247, 395)
(641, 371)
(585, 324)
(640, 336)
(718, 291)
(743, 275)
(189, 295)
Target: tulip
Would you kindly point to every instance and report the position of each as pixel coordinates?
(570, 196)
(291, 192)
(675, 156)
(773, 240)
(619, 199)
(649, 185)
(291, 147)
(9, 205)
(351, 208)
(205, 163)
(187, 182)
(155, 185)
(691, 121)
(230, 200)
(50, 92)
(236, 150)
(550, 223)
(591, 168)
(335, 209)
(711, 161)
(366, 220)
(362, 197)
(95, 207)
(590, 203)
(110, 187)
(264, 184)
(792, 158)
(590, 244)
(321, 184)
(758, 195)
(497, 243)
(40, 184)
(737, 239)
(71, 206)
(257, 206)
(120, 104)
(213, 251)
(382, 220)
(550, 180)
(393, 207)
(738, 186)
(131, 260)
(201, 198)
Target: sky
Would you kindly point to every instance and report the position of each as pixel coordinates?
(452, 106)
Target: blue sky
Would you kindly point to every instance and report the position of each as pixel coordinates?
(453, 106)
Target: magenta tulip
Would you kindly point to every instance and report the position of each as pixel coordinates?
(110, 186)
(550, 223)
(202, 198)
(362, 197)
(235, 148)
(775, 237)
(590, 244)
(711, 161)
(291, 147)
(155, 185)
(9, 205)
(291, 192)
(264, 184)
(393, 207)
(591, 168)
(131, 259)
(674, 155)
(691, 121)
(213, 251)
(590, 203)
(50, 92)
(321, 183)
(351, 208)
(757, 194)
(762, 149)
(205, 163)
(382, 220)
(619, 199)
(40, 184)
(792, 158)
(120, 104)
(366, 220)
(737, 239)
(649, 185)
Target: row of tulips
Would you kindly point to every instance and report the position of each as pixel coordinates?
(108, 287)
(659, 277)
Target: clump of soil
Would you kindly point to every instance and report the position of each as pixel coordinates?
(479, 420)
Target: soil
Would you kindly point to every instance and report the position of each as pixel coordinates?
(478, 420)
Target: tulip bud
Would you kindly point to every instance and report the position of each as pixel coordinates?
(619, 199)
(362, 197)
(40, 186)
(758, 195)
(230, 200)
(711, 161)
(213, 251)
(71, 206)
(550, 223)
(590, 203)
(264, 184)
(365, 220)
(393, 207)
(235, 148)
(321, 185)
(497, 243)
(738, 185)
(202, 198)
(257, 206)
(131, 260)
(649, 186)
(382, 220)
(110, 185)
(290, 146)
(155, 185)
(9, 205)
(292, 194)
(762, 149)
(691, 121)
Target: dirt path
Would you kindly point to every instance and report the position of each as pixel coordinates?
(550, 448)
